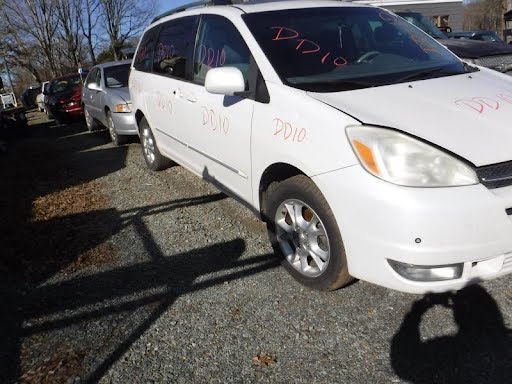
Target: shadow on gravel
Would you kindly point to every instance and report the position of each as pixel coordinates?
(48, 159)
(35, 307)
(154, 284)
(481, 351)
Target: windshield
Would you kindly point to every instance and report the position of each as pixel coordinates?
(423, 23)
(488, 36)
(117, 77)
(342, 48)
(65, 84)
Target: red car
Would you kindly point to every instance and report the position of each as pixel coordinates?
(64, 97)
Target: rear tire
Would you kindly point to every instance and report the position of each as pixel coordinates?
(154, 159)
(304, 232)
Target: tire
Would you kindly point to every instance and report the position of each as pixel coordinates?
(60, 120)
(313, 255)
(114, 136)
(154, 159)
(89, 121)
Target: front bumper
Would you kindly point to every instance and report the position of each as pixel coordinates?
(125, 123)
(380, 221)
(64, 111)
(74, 110)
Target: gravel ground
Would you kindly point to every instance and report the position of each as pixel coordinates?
(115, 274)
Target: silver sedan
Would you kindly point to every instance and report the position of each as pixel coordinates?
(106, 100)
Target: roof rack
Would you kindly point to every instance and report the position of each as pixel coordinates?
(206, 3)
(192, 5)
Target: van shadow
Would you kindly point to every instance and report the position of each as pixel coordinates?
(51, 294)
(480, 352)
(151, 286)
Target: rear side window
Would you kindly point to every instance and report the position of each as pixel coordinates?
(219, 44)
(173, 52)
(144, 56)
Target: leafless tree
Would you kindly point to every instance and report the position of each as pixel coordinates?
(70, 44)
(35, 21)
(17, 52)
(485, 14)
(88, 21)
(124, 19)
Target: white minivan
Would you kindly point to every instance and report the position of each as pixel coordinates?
(370, 150)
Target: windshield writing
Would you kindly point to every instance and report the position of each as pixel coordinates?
(332, 49)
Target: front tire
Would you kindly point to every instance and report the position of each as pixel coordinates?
(303, 230)
(154, 159)
(114, 136)
(89, 121)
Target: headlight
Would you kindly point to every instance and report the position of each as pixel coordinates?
(120, 108)
(403, 160)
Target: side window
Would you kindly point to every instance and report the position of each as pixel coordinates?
(91, 78)
(144, 55)
(219, 44)
(98, 77)
(173, 52)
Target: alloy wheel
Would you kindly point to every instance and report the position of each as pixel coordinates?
(302, 237)
(148, 145)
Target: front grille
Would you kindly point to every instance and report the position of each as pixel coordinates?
(496, 175)
(494, 61)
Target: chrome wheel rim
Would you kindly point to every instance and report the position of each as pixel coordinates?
(88, 121)
(111, 129)
(148, 145)
(302, 238)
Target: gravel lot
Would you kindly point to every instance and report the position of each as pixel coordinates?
(111, 273)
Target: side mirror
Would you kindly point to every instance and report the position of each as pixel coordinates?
(224, 81)
(93, 87)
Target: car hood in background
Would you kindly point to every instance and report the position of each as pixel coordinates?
(121, 93)
(64, 96)
(469, 115)
(473, 49)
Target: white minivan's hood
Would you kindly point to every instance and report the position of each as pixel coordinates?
(469, 115)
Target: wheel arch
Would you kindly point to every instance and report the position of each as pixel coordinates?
(274, 173)
(138, 117)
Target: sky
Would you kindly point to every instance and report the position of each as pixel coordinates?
(165, 5)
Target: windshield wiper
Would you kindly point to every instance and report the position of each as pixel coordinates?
(334, 85)
(425, 74)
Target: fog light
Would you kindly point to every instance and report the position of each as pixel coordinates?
(427, 272)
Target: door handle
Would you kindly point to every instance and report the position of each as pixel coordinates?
(190, 98)
(185, 95)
